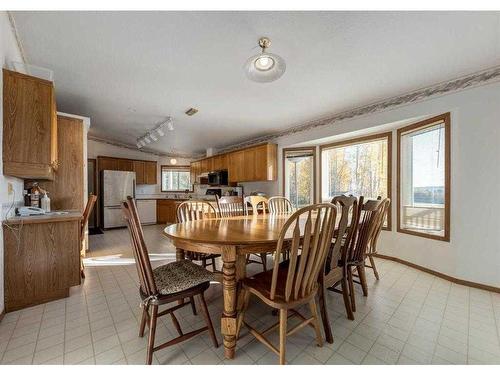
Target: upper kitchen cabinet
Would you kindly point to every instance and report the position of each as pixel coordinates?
(150, 174)
(220, 162)
(145, 171)
(29, 127)
(235, 166)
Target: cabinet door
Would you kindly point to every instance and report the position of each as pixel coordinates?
(139, 172)
(248, 167)
(261, 162)
(150, 172)
(108, 164)
(166, 211)
(216, 162)
(235, 166)
(29, 126)
(223, 162)
(125, 165)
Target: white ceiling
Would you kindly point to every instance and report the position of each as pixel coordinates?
(130, 70)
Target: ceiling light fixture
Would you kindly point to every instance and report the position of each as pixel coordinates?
(265, 67)
(153, 135)
(173, 161)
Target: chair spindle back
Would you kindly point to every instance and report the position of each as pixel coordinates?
(280, 205)
(143, 264)
(257, 203)
(231, 206)
(346, 229)
(311, 238)
(195, 210)
(373, 244)
(86, 213)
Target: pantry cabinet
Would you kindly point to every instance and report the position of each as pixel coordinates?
(29, 127)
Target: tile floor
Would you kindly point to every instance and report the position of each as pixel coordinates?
(409, 317)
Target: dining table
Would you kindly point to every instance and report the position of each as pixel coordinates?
(233, 238)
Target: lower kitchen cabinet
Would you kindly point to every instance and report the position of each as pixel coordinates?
(166, 211)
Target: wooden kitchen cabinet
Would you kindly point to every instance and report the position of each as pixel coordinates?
(139, 169)
(145, 171)
(66, 190)
(166, 211)
(235, 172)
(29, 126)
(150, 172)
(41, 261)
(256, 163)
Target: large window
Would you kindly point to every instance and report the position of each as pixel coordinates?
(424, 178)
(175, 178)
(299, 171)
(361, 167)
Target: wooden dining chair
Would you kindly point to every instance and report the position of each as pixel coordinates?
(230, 206)
(369, 214)
(294, 282)
(280, 205)
(198, 210)
(259, 205)
(172, 282)
(335, 274)
(257, 202)
(83, 224)
(372, 247)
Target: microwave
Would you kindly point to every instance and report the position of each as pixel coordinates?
(217, 178)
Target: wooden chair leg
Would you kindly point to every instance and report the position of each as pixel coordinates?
(245, 299)
(362, 279)
(152, 332)
(351, 288)
(143, 321)
(372, 263)
(324, 315)
(203, 262)
(193, 306)
(208, 321)
(345, 295)
(314, 313)
(283, 330)
(214, 269)
(263, 258)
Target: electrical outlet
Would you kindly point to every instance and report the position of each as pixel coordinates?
(10, 188)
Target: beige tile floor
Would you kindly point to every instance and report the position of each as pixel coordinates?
(409, 317)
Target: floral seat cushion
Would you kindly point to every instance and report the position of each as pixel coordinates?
(178, 276)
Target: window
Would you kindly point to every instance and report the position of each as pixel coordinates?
(424, 178)
(299, 171)
(175, 178)
(361, 167)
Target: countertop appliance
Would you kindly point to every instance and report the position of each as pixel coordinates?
(218, 178)
(116, 186)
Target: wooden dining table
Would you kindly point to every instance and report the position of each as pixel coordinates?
(233, 238)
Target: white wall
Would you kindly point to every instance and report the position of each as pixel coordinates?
(9, 51)
(473, 252)
(96, 149)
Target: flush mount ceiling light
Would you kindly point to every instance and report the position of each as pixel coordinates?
(265, 67)
(153, 135)
(173, 161)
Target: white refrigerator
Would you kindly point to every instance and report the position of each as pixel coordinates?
(116, 186)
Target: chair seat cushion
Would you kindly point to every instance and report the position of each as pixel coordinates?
(178, 276)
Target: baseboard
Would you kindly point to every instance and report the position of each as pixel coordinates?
(2, 314)
(441, 275)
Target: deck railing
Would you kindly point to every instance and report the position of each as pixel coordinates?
(423, 217)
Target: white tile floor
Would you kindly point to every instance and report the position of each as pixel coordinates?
(409, 317)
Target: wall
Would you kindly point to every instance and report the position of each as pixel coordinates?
(96, 149)
(9, 51)
(473, 252)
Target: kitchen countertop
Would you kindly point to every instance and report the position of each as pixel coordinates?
(54, 216)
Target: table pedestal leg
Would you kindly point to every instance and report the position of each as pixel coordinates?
(229, 287)
(179, 254)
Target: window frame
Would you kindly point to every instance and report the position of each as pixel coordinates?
(359, 140)
(186, 168)
(314, 152)
(445, 118)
